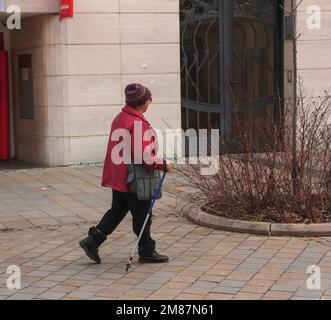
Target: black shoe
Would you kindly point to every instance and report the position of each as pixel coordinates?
(91, 244)
(153, 258)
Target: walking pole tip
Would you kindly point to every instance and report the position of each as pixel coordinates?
(128, 265)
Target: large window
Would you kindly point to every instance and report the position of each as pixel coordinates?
(231, 66)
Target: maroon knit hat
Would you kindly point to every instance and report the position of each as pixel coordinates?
(136, 95)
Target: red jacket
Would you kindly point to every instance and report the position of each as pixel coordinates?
(115, 175)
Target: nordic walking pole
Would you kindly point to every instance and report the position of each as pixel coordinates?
(146, 220)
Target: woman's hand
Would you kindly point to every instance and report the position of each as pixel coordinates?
(170, 165)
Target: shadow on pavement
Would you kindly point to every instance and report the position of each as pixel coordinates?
(14, 164)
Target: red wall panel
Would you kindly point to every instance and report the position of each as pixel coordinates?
(4, 107)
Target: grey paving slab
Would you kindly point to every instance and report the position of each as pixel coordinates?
(233, 283)
(148, 286)
(226, 290)
(288, 287)
(55, 204)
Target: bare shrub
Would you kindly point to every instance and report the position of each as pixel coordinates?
(285, 182)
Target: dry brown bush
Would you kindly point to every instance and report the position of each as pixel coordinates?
(284, 183)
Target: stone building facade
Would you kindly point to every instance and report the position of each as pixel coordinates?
(80, 66)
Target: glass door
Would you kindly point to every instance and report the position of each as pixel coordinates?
(256, 70)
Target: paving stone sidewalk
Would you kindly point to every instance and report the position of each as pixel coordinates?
(45, 212)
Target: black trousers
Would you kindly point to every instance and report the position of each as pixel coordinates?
(121, 205)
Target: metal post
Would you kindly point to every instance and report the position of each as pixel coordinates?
(225, 41)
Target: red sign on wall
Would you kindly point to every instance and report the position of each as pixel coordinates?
(66, 8)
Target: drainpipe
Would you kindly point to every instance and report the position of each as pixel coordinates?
(295, 166)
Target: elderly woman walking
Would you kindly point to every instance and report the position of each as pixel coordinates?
(115, 176)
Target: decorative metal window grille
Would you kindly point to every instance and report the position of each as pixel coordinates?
(231, 64)
(263, 10)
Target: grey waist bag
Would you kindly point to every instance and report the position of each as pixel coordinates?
(143, 182)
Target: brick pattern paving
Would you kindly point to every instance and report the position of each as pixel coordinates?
(45, 212)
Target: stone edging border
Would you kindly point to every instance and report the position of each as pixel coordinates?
(196, 215)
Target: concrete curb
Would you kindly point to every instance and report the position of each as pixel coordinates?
(196, 215)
